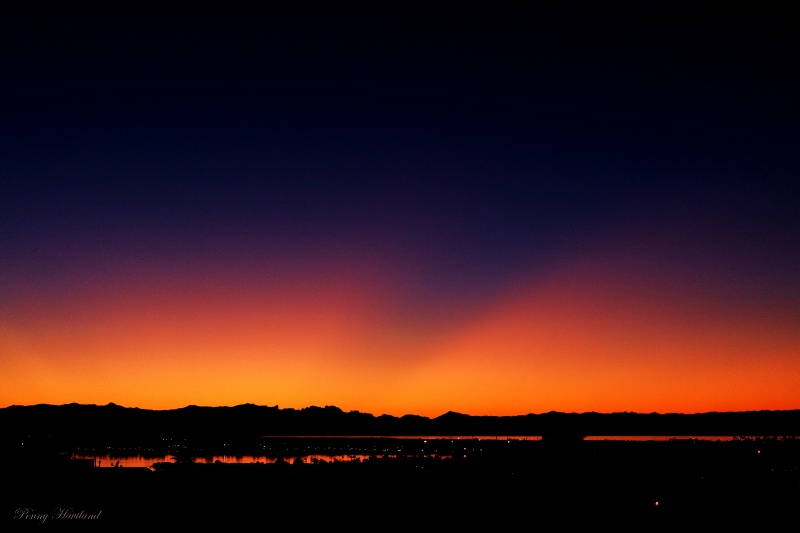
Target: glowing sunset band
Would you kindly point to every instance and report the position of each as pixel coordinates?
(584, 339)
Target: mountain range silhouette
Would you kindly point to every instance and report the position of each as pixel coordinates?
(110, 423)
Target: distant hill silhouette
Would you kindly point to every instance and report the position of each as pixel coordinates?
(75, 424)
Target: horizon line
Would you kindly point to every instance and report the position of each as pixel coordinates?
(112, 404)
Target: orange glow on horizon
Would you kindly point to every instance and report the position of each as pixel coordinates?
(584, 340)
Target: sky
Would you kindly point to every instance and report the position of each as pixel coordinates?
(400, 208)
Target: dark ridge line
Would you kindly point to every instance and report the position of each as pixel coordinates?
(355, 411)
(76, 423)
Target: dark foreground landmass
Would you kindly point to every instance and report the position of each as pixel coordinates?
(499, 484)
(558, 481)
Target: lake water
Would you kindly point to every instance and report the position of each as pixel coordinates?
(142, 461)
(331, 449)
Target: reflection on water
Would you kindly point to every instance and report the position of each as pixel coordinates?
(140, 461)
(314, 450)
(659, 438)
